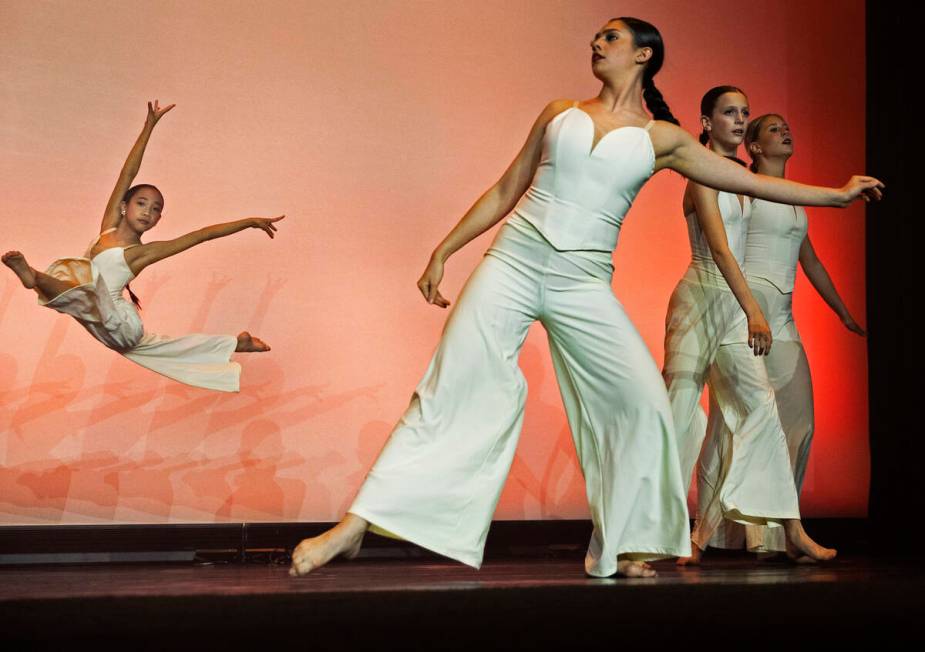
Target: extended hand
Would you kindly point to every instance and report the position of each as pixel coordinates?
(429, 281)
(266, 223)
(759, 335)
(155, 112)
(868, 188)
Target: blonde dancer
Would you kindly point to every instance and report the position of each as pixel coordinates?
(438, 479)
(703, 328)
(777, 239)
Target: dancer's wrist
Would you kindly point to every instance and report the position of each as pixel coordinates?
(753, 312)
(439, 255)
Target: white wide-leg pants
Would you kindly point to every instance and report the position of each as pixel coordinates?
(704, 333)
(788, 372)
(196, 360)
(440, 475)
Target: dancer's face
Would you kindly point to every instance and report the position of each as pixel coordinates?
(726, 125)
(613, 51)
(774, 139)
(143, 209)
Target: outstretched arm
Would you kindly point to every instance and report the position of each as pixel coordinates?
(819, 277)
(711, 222)
(113, 214)
(678, 150)
(493, 205)
(143, 255)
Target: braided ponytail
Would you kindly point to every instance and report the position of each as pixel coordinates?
(645, 35)
(133, 296)
(656, 103)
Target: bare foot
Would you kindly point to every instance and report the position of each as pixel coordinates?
(799, 543)
(344, 539)
(627, 568)
(249, 344)
(17, 262)
(694, 559)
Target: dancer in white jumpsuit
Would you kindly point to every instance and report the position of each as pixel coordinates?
(777, 239)
(438, 479)
(703, 328)
(90, 288)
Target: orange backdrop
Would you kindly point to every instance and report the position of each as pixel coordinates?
(373, 124)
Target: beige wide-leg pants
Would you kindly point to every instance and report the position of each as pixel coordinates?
(440, 475)
(704, 333)
(788, 372)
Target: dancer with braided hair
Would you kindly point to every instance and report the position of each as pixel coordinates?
(439, 477)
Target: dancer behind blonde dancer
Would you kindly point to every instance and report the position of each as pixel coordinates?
(703, 328)
(90, 288)
(777, 240)
(438, 479)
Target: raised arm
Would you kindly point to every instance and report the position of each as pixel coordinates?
(711, 223)
(494, 204)
(679, 151)
(819, 277)
(113, 214)
(147, 254)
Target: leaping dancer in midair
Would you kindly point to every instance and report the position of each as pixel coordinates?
(91, 288)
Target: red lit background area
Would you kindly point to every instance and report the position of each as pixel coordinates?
(373, 125)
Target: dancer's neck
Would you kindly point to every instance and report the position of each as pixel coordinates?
(126, 234)
(619, 96)
(775, 167)
(722, 149)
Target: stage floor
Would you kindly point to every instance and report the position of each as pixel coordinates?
(429, 603)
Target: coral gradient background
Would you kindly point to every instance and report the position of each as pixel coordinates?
(373, 125)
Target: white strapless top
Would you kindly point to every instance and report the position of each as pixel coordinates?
(736, 219)
(110, 264)
(579, 195)
(775, 234)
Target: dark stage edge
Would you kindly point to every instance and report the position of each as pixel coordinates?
(505, 538)
(434, 604)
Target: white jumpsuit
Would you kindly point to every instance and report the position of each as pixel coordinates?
(98, 304)
(705, 332)
(438, 479)
(775, 236)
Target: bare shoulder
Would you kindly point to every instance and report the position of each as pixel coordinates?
(698, 197)
(550, 111)
(558, 106)
(553, 109)
(700, 193)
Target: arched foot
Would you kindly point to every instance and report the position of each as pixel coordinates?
(17, 262)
